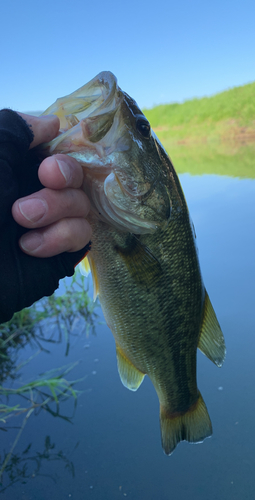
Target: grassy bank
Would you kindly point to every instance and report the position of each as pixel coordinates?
(223, 115)
(210, 135)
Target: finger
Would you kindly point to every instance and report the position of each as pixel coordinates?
(60, 171)
(47, 206)
(66, 235)
(44, 128)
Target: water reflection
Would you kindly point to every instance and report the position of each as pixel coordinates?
(227, 158)
(67, 313)
(28, 464)
(51, 321)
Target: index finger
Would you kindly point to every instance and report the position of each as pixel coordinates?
(45, 128)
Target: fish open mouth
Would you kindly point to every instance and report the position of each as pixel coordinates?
(94, 132)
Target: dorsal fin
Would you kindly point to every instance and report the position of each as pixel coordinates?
(211, 341)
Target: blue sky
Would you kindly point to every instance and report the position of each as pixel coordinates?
(161, 51)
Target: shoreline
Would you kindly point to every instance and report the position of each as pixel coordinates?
(204, 134)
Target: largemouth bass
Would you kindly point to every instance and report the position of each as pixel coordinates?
(143, 257)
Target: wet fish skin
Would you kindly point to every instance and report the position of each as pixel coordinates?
(144, 259)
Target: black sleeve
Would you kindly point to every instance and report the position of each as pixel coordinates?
(23, 279)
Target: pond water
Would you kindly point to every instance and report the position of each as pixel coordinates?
(111, 448)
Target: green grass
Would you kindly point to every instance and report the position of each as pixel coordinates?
(237, 103)
(212, 135)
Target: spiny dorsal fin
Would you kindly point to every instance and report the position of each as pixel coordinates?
(193, 426)
(129, 375)
(211, 341)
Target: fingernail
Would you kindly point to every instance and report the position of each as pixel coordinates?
(31, 241)
(33, 209)
(64, 169)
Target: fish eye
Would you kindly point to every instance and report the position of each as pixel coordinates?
(143, 127)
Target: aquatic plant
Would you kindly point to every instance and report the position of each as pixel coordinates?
(21, 467)
(51, 320)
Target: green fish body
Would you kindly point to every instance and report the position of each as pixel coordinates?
(143, 257)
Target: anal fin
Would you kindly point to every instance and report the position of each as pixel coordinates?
(211, 341)
(129, 375)
(193, 426)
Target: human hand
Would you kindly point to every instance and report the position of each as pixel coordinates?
(57, 213)
(63, 228)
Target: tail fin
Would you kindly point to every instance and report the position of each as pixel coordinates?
(193, 426)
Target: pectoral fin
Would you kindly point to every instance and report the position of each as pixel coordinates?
(211, 341)
(143, 266)
(129, 375)
(86, 265)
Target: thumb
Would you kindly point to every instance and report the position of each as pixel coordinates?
(44, 128)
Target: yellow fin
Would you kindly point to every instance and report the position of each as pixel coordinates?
(92, 266)
(211, 341)
(193, 426)
(129, 375)
(84, 267)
